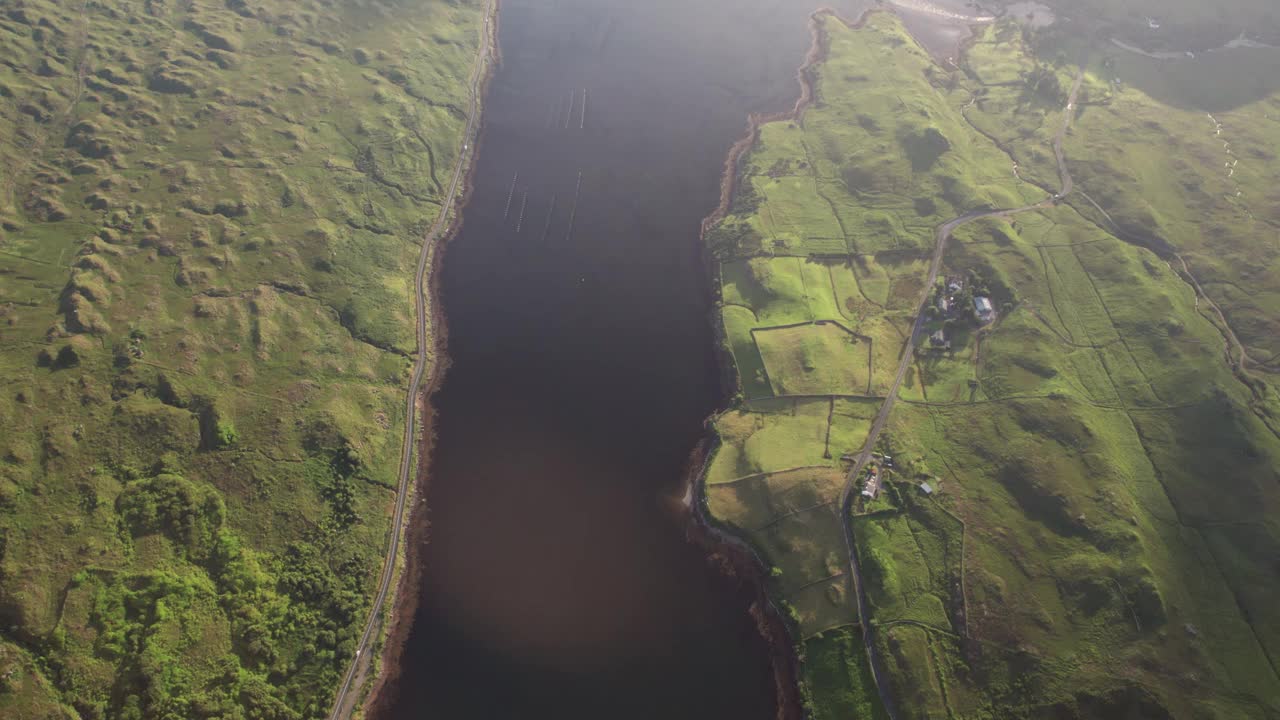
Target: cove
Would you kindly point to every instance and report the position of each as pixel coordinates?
(555, 579)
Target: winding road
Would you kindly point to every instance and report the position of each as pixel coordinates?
(941, 237)
(345, 700)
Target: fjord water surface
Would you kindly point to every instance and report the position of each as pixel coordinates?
(557, 583)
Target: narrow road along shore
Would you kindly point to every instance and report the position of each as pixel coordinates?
(345, 701)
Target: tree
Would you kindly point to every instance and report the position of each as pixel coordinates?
(226, 435)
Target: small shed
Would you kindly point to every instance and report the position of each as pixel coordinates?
(926, 488)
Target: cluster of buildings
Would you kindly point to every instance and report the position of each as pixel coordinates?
(950, 304)
(876, 474)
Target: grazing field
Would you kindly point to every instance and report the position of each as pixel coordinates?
(837, 675)
(1081, 517)
(817, 359)
(791, 516)
(210, 216)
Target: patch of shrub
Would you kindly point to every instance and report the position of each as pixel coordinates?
(188, 514)
(924, 148)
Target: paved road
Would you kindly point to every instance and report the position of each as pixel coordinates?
(345, 701)
(941, 237)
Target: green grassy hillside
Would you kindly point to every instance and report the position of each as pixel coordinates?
(1100, 536)
(209, 217)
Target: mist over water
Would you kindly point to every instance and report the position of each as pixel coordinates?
(557, 583)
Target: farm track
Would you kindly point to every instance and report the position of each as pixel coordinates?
(942, 236)
(344, 704)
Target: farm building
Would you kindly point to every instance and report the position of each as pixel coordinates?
(983, 309)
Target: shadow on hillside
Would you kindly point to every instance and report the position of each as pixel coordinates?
(1213, 82)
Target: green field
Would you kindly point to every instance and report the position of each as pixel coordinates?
(792, 517)
(1101, 535)
(209, 220)
(837, 675)
(824, 359)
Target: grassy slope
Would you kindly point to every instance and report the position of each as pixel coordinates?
(888, 161)
(1104, 541)
(210, 219)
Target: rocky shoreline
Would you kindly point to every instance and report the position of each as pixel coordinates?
(735, 559)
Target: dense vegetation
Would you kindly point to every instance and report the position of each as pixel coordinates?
(1099, 534)
(209, 217)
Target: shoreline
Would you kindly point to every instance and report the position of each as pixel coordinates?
(736, 557)
(737, 553)
(1241, 42)
(371, 682)
(418, 527)
(817, 53)
(929, 8)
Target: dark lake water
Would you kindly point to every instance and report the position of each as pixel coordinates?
(557, 583)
